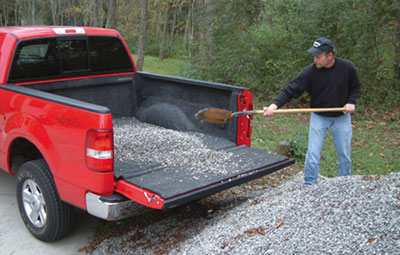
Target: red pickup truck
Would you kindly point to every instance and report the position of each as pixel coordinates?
(61, 91)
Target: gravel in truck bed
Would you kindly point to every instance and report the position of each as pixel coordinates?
(342, 215)
(149, 144)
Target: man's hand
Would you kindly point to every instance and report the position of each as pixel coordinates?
(269, 111)
(349, 108)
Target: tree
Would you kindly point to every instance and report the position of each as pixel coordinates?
(396, 65)
(53, 8)
(191, 30)
(175, 16)
(206, 16)
(5, 9)
(111, 14)
(98, 13)
(164, 34)
(142, 37)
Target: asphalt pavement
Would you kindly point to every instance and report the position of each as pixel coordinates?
(15, 239)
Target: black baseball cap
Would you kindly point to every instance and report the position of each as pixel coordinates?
(321, 45)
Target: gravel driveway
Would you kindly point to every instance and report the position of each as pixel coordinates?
(342, 215)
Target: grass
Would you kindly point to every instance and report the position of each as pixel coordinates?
(167, 66)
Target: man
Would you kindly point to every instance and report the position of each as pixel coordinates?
(330, 82)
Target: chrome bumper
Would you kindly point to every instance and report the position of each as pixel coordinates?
(112, 211)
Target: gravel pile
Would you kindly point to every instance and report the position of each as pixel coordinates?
(150, 144)
(342, 215)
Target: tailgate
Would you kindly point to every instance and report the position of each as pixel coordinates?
(166, 185)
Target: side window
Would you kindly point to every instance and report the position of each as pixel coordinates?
(108, 54)
(35, 59)
(74, 55)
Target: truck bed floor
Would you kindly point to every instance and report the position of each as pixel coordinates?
(171, 163)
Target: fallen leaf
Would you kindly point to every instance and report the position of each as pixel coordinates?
(383, 123)
(371, 240)
(261, 231)
(280, 223)
(370, 127)
(255, 201)
(255, 231)
(382, 155)
(371, 178)
(371, 154)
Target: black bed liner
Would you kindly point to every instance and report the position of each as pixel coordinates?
(177, 185)
(128, 95)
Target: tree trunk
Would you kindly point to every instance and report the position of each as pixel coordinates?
(191, 32)
(210, 25)
(202, 28)
(111, 14)
(205, 17)
(53, 8)
(157, 20)
(98, 7)
(16, 23)
(87, 5)
(175, 6)
(32, 8)
(4, 18)
(142, 36)
(164, 35)
(396, 72)
(187, 25)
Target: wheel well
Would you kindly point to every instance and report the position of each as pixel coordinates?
(22, 151)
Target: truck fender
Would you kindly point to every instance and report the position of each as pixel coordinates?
(23, 146)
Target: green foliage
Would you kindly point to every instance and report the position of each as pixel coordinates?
(176, 49)
(266, 51)
(298, 149)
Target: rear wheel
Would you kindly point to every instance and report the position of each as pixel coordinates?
(44, 214)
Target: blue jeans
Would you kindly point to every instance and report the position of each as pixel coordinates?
(341, 132)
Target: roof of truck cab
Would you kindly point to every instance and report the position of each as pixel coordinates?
(28, 32)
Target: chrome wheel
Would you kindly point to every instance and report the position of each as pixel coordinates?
(34, 204)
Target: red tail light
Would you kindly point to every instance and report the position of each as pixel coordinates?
(99, 150)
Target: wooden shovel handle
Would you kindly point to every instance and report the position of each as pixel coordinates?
(339, 109)
(261, 112)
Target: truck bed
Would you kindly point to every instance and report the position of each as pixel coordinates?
(170, 104)
(208, 164)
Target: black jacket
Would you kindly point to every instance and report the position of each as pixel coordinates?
(327, 87)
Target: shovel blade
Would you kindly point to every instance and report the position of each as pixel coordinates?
(214, 115)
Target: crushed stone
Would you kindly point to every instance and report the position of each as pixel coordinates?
(341, 215)
(151, 144)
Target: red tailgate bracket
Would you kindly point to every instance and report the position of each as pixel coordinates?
(139, 195)
(245, 102)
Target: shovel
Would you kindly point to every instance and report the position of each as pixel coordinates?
(221, 117)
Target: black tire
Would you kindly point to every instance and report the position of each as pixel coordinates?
(44, 214)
